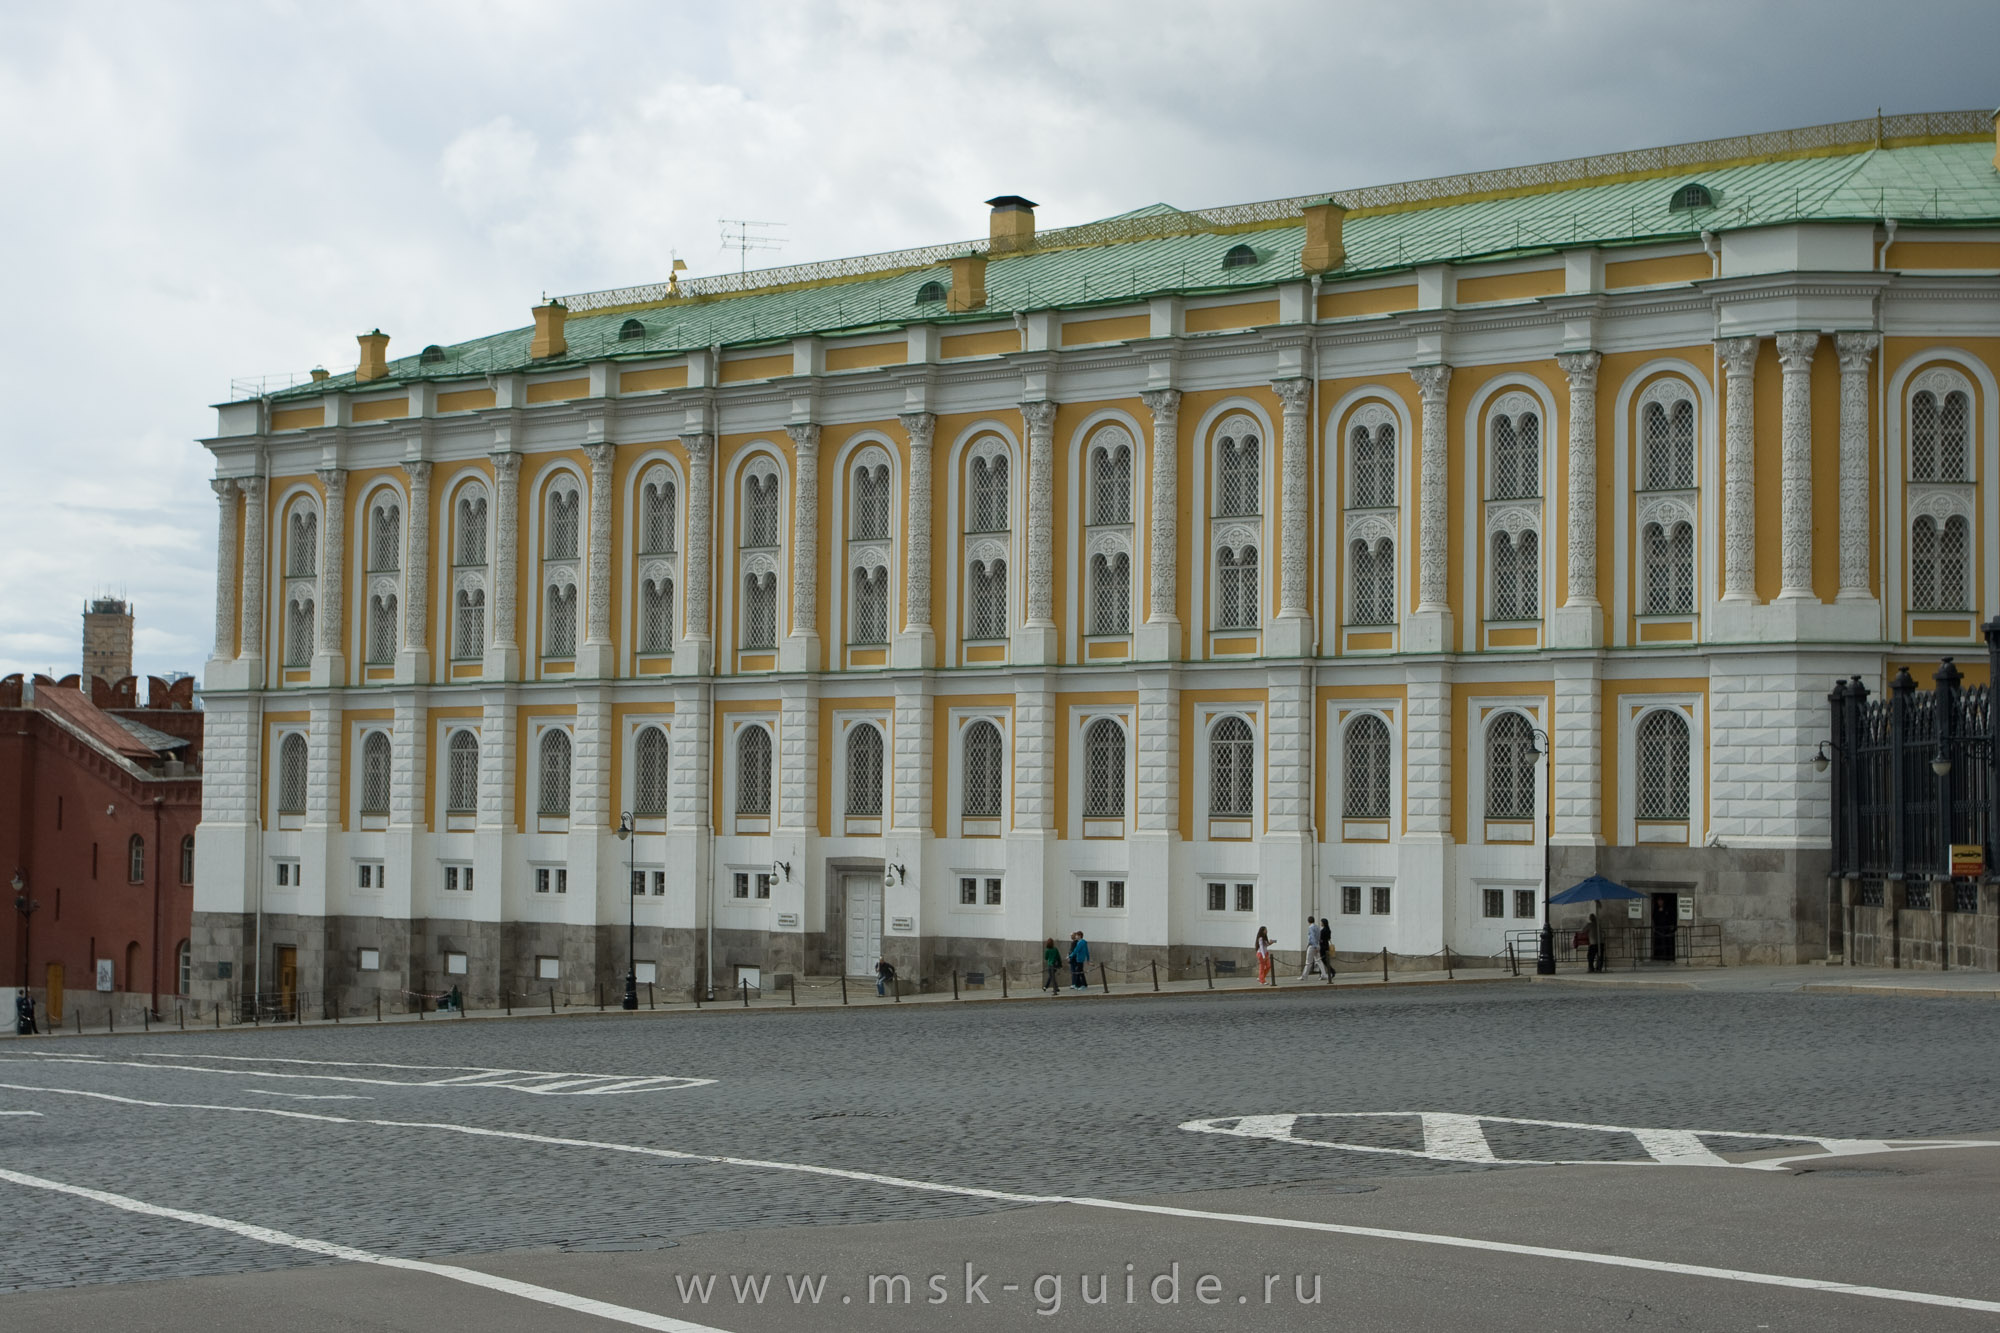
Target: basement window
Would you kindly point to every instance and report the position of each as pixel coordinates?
(1239, 256)
(930, 292)
(1692, 195)
(631, 331)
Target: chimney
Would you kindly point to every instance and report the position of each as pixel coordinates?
(549, 340)
(968, 281)
(374, 356)
(319, 374)
(1324, 250)
(1012, 226)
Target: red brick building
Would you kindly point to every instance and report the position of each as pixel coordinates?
(99, 799)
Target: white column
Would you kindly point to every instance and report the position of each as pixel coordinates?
(1290, 634)
(1035, 641)
(1795, 355)
(917, 647)
(1429, 629)
(694, 655)
(253, 576)
(1578, 623)
(1159, 637)
(329, 666)
(413, 661)
(1739, 486)
(226, 590)
(1856, 350)
(503, 658)
(596, 658)
(801, 649)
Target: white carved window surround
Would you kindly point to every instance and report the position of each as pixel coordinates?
(383, 586)
(1941, 497)
(988, 526)
(870, 547)
(759, 555)
(1668, 503)
(1236, 531)
(468, 544)
(1515, 485)
(1372, 516)
(657, 560)
(562, 566)
(301, 583)
(1108, 463)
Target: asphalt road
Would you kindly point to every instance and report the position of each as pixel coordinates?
(1013, 1162)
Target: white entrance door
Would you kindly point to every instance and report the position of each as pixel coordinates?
(864, 923)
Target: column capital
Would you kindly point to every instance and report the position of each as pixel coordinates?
(1294, 394)
(335, 481)
(805, 436)
(1432, 381)
(506, 464)
(698, 444)
(1739, 355)
(224, 487)
(1162, 403)
(600, 455)
(1856, 348)
(418, 470)
(1580, 367)
(1039, 415)
(918, 426)
(1795, 350)
(253, 486)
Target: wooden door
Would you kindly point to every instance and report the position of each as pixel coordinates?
(53, 1011)
(288, 980)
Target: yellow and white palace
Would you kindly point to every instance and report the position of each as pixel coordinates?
(1159, 578)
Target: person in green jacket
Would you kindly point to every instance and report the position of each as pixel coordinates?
(1051, 964)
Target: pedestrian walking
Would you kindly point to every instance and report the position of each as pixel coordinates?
(1052, 960)
(1079, 958)
(1326, 945)
(1595, 933)
(885, 976)
(1312, 963)
(1263, 956)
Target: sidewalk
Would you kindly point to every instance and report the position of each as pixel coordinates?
(1804, 978)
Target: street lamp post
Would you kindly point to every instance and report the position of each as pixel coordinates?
(26, 907)
(631, 915)
(1545, 954)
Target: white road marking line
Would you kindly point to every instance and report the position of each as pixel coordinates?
(518, 1080)
(308, 1096)
(562, 1300)
(34, 1113)
(1458, 1137)
(1080, 1201)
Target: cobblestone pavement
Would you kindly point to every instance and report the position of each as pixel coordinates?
(1077, 1097)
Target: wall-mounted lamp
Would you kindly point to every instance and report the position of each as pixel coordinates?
(782, 870)
(902, 873)
(1822, 757)
(1941, 763)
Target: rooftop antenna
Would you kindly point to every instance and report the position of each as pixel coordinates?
(743, 235)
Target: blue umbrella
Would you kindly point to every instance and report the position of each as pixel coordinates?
(1595, 889)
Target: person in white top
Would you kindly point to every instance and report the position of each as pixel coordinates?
(1312, 963)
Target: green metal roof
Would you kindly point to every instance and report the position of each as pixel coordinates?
(1941, 184)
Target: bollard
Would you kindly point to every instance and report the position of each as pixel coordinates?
(256, 1011)
(552, 999)
(896, 988)
(1103, 980)
(507, 999)
(146, 1019)
(1156, 974)
(1447, 964)
(298, 1013)
(843, 988)
(696, 991)
(600, 997)
(378, 1006)
(649, 995)
(954, 983)
(110, 1020)
(746, 991)
(793, 989)
(218, 1015)
(181, 1011)
(1385, 964)
(423, 1003)
(1210, 964)
(1003, 981)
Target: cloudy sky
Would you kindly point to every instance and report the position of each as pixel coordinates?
(204, 192)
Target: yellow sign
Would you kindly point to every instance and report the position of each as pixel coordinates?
(1968, 859)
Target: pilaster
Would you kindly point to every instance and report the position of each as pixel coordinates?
(801, 649)
(1739, 486)
(1795, 355)
(1290, 632)
(1159, 637)
(1035, 641)
(696, 652)
(226, 586)
(251, 653)
(1579, 622)
(594, 659)
(916, 646)
(329, 664)
(1856, 349)
(413, 658)
(503, 654)
(1429, 627)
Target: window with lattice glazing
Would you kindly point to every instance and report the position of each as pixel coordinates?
(983, 760)
(461, 789)
(869, 550)
(468, 638)
(658, 518)
(1111, 594)
(760, 610)
(1939, 555)
(1104, 770)
(561, 576)
(385, 536)
(1668, 568)
(753, 772)
(1940, 430)
(871, 605)
(656, 615)
(656, 561)
(299, 629)
(1940, 497)
(987, 591)
(559, 633)
(1516, 576)
(1517, 453)
(1663, 765)
(1232, 770)
(1513, 509)
(864, 772)
(1667, 438)
(871, 502)
(555, 756)
(1236, 466)
(564, 523)
(650, 773)
(1108, 531)
(1372, 569)
(1372, 450)
(1365, 754)
(1236, 600)
(469, 529)
(987, 505)
(375, 773)
(1510, 768)
(292, 774)
(382, 627)
(302, 550)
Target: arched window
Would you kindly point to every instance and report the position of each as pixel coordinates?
(871, 502)
(1669, 569)
(1237, 491)
(1517, 455)
(988, 488)
(1510, 768)
(760, 610)
(650, 772)
(461, 791)
(1516, 577)
(302, 551)
(469, 624)
(385, 536)
(1692, 195)
(1663, 765)
(184, 969)
(871, 605)
(760, 511)
(753, 772)
(1667, 430)
(375, 773)
(989, 600)
(559, 637)
(658, 518)
(1236, 588)
(983, 760)
(1366, 755)
(1374, 454)
(1373, 567)
(1111, 594)
(555, 772)
(1940, 430)
(1111, 480)
(656, 615)
(292, 774)
(1232, 770)
(1104, 770)
(382, 625)
(187, 859)
(299, 629)
(135, 858)
(470, 529)
(563, 523)
(1239, 256)
(631, 331)
(864, 773)
(930, 293)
